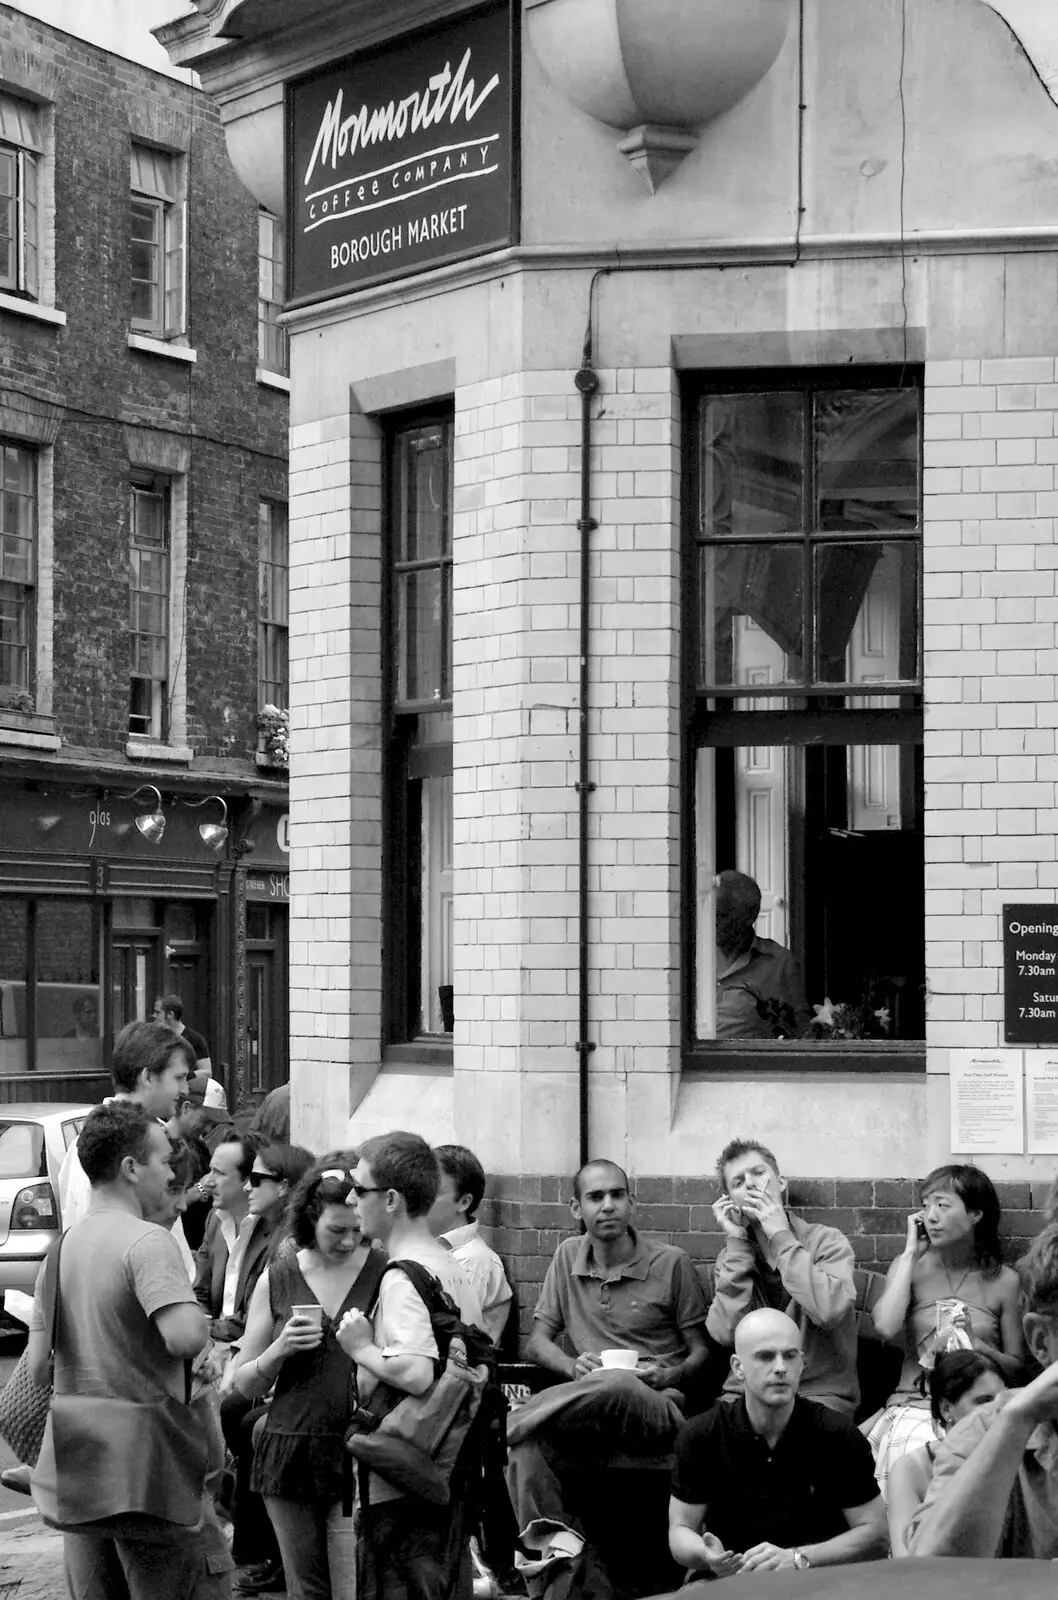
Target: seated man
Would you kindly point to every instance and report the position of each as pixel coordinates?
(759, 989)
(771, 1480)
(772, 1259)
(609, 1289)
(994, 1490)
(453, 1219)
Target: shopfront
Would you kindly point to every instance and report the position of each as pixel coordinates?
(108, 900)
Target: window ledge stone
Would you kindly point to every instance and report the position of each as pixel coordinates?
(28, 732)
(273, 380)
(161, 347)
(151, 750)
(30, 308)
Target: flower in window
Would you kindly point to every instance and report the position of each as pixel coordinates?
(273, 723)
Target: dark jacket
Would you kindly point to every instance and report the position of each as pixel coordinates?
(211, 1260)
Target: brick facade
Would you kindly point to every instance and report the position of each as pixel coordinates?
(95, 410)
(991, 659)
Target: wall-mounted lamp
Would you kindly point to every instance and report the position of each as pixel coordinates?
(213, 834)
(150, 823)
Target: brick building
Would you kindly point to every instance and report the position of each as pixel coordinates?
(143, 418)
(756, 573)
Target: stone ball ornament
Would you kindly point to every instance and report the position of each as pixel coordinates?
(658, 70)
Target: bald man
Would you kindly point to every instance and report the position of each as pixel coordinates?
(769, 1480)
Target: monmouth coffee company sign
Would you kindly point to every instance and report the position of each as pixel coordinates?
(402, 159)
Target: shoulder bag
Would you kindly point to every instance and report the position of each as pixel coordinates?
(105, 1457)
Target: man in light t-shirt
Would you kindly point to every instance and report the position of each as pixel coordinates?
(150, 1067)
(395, 1183)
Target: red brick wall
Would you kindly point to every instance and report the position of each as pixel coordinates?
(238, 429)
(525, 1217)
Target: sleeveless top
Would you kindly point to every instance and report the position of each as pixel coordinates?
(301, 1453)
(919, 1331)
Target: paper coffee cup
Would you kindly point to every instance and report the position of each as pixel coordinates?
(309, 1314)
(624, 1360)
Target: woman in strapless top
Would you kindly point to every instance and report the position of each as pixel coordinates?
(952, 1253)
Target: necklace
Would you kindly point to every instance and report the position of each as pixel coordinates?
(955, 1287)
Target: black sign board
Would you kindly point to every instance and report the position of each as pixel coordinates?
(403, 158)
(1030, 960)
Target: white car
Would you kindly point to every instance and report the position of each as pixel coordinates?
(33, 1141)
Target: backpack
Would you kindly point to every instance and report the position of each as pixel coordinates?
(457, 1430)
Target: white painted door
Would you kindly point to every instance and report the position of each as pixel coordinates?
(874, 657)
(437, 900)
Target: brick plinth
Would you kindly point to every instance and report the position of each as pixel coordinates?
(524, 1218)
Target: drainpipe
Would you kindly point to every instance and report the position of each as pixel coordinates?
(587, 384)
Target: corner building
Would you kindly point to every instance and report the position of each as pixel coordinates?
(807, 447)
(143, 433)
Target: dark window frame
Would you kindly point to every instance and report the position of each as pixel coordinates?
(408, 759)
(716, 724)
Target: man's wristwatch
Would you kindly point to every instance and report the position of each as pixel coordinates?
(801, 1561)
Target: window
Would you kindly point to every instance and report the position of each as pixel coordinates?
(149, 609)
(20, 147)
(158, 243)
(806, 723)
(419, 792)
(18, 562)
(272, 353)
(272, 614)
(50, 994)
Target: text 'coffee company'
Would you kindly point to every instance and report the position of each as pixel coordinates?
(404, 158)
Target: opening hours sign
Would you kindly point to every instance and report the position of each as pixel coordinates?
(402, 158)
(1030, 962)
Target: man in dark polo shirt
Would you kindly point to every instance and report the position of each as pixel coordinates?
(609, 1289)
(771, 1481)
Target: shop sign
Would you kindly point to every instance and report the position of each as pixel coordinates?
(1030, 963)
(402, 158)
(268, 886)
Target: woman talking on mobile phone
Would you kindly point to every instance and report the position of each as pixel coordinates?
(290, 1342)
(948, 1289)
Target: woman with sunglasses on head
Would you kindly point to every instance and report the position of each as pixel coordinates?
(302, 1296)
(949, 1289)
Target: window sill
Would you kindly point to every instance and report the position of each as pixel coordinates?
(161, 347)
(267, 763)
(29, 308)
(783, 1056)
(273, 380)
(150, 750)
(29, 732)
(419, 1055)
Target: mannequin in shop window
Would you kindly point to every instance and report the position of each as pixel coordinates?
(759, 989)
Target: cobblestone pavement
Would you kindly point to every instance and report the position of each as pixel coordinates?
(30, 1559)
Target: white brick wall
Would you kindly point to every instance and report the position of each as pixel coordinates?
(335, 784)
(991, 658)
(517, 557)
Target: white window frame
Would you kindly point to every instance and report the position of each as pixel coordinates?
(28, 587)
(158, 186)
(22, 136)
(268, 624)
(161, 489)
(273, 351)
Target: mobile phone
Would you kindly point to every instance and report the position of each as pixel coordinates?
(920, 1228)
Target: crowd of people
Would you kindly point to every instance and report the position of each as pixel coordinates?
(278, 1415)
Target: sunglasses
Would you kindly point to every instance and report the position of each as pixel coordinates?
(257, 1178)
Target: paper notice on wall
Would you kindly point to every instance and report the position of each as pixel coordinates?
(987, 1102)
(1041, 1094)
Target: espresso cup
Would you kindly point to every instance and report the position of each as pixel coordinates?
(622, 1360)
